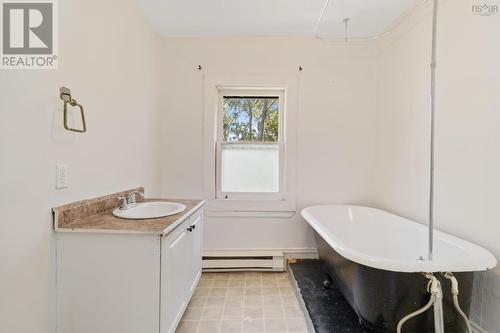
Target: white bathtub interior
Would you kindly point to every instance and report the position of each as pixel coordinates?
(379, 239)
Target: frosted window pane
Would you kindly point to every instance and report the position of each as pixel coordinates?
(250, 168)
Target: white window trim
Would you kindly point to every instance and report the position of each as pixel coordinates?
(280, 143)
(279, 207)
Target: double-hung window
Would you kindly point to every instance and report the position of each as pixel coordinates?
(250, 144)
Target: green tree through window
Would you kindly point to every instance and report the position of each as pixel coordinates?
(251, 118)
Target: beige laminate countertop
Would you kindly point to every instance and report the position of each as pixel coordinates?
(106, 222)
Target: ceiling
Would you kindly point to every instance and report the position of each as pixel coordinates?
(295, 18)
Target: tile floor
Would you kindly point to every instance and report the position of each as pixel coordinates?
(250, 302)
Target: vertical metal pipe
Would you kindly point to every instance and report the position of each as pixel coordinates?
(433, 110)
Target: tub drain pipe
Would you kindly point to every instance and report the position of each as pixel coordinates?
(454, 292)
(436, 299)
(438, 306)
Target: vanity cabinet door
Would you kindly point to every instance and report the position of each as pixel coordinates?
(181, 252)
(196, 246)
(174, 275)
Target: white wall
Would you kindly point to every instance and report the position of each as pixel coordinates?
(336, 123)
(467, 132)
(109, 58)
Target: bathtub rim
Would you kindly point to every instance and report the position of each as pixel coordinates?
(488, 260)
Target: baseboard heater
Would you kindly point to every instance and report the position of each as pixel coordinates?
(241, 261)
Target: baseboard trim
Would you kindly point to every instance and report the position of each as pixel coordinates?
(301, 254)
(476, 328)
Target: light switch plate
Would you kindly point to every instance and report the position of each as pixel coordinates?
(61, 176)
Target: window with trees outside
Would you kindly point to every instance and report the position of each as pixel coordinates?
(250, 149)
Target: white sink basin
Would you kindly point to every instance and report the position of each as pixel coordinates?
(150, 210)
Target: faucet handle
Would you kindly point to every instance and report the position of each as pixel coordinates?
(123, 202)
(132, 199)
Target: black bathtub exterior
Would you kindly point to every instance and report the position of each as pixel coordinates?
(381, 298)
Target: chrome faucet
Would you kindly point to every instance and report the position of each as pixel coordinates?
(129, 201)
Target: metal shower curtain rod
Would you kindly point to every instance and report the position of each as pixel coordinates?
(433, 125)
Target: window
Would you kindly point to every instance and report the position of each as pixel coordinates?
(250, 144)
(250, 175)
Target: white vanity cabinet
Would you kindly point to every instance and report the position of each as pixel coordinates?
(127, 282)
(196, 249)
(180, 271)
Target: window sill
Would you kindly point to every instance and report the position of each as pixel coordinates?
(250, 208)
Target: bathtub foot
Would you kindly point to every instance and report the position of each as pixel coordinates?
(327, 283)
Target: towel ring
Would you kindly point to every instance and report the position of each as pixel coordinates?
(65, 95)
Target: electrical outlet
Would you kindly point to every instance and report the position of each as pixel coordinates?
(61, 176)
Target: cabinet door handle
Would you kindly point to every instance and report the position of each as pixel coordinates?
(193, 226)
(190, 229)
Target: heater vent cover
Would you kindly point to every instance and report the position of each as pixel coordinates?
(243, 260)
